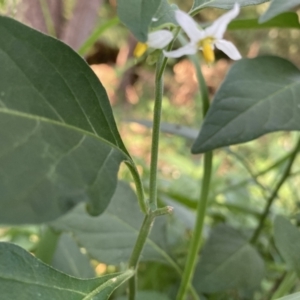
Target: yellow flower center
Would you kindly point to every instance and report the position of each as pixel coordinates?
(140, 49)
(207, 49)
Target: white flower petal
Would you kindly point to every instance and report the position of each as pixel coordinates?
(188, 49)
(218, 28)
(159, 39)
(229, 49)
(189, 26)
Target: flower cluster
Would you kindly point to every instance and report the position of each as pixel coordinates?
(200, 39)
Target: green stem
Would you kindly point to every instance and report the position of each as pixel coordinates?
(286, 285)
(141, 239)
(47, 245)
(155, 135)
(197, 234)
(152, 212)
(137, 250)
(273, 195)
(202, 204)
(165, 60)
(139, 186)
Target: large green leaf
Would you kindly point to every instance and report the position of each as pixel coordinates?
(287, 241)
(59, 141)
(228, 261)
(137, 15)
(69, 259)
(225, 4)
(277, 7)
(22, 276)
(258, 96)
(284, 20)
(110, 237)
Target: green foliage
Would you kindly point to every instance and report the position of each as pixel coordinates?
(70, 260)
(137, 15)
(258, 96)
(22, 274)
(277, 7)
(60, 153)
(164, 15)
(228, 261)
(109, 237)
(148, 295)
(225, 4)
(57, 130)
(284, 20)
(295, 296)
(287, 240)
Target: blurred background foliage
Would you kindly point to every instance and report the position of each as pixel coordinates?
(243, 175)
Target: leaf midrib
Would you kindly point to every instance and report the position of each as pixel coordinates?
(59, 124)
(251, 106)
(42, 285)
(112, 130)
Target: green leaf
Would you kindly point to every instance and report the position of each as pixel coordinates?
(22, 276)
(225, 4)
(164, 15)
(287, 241)
(69, 259)
(137, 15)
(110, 237)
(284, 20)
(59, 141)
(147, 295)
(277, 7)
(258, 96)
(295, 296)
(228, 262)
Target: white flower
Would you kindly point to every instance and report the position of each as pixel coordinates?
(208, 38)
(156, 40)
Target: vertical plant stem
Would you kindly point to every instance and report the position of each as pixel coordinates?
(151, 213)
(195, 243)
(137, 250)
(47, 245)
(155, 135)
(273, 195)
